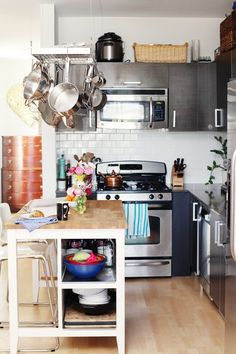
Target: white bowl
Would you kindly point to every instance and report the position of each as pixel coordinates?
(87, 292)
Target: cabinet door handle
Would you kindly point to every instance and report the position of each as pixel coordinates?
(233, 208)
(216, 235)
(151, 113)
(90, 119)
(138, 83)
(174, 119)
(220, 227)
(194, 211)
(221, 124)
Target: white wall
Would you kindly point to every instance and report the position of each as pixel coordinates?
(146, 145)
(17, 30)
(149, 145)
(16, 33)
(142, 30)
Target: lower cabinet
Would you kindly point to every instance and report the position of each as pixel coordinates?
(181, 234)
(217, 261)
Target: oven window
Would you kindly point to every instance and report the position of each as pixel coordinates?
(154, 234)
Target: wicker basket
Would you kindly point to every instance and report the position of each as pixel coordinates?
(160, 53)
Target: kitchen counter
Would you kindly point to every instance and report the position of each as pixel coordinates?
(210, 195)
(99, 215)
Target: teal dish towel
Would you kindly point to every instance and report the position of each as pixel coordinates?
(137, 220)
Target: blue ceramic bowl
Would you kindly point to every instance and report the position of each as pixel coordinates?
(85, 271)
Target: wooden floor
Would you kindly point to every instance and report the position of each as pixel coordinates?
(163, 316)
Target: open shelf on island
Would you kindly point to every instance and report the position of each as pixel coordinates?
(77, 315)
(106, 275)
(75, 318)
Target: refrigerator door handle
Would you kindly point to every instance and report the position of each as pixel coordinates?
(233, 208)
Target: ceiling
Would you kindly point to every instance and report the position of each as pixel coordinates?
(141, 8)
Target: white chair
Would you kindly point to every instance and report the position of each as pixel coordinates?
(35, 250)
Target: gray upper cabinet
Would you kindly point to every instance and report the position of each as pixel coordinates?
(206, 97)
(182, 97)
(223, 75)
(135, 74)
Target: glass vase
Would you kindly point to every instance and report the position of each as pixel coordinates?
(81, 204)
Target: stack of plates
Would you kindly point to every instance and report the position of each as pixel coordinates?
(92, 296)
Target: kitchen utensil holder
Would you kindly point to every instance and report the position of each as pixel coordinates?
(177, 178)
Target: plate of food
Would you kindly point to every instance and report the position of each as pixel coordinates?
(35, 214)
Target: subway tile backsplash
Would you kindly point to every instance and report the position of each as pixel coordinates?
(153, 145)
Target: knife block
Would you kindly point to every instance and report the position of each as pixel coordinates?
(177, 178)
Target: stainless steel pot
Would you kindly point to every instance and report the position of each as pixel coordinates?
(36, 84)
(64, 97)
(109, 47)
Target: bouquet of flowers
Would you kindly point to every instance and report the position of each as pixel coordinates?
(81, 184)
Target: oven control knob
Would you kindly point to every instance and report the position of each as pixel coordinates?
(160, 196)
(117, 197)
(108, 197)
(151, 196)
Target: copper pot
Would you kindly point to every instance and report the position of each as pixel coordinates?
(113, 180)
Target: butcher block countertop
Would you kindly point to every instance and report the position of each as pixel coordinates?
(99, 214)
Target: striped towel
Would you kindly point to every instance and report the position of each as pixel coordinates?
(33, 224)
(137, 220)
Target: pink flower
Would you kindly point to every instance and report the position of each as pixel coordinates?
(88, 170)
(79, 170)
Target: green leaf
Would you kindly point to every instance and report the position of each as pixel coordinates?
(218, 152)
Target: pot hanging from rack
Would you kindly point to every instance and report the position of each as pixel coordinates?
(64, 98)
(36, 84)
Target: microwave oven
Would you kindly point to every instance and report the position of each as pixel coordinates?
(134, 108)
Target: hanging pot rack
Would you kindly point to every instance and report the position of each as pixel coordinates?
(77, 55)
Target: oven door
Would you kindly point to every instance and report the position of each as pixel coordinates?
(151, 256)
(160, 241)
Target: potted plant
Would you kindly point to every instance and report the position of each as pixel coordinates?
(222, 152)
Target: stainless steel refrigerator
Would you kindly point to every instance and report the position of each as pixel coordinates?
(230, 276)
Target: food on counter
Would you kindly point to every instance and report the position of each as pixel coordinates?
(37, 214)
(81, 256)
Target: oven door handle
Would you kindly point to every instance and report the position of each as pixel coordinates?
(145, 263)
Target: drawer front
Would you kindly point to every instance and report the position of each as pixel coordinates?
(19, 140)
(19, 186)
(18, 151)
(22, 175)
(26, 162)
(20, 198)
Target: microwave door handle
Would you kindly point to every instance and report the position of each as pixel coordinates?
(151, 113)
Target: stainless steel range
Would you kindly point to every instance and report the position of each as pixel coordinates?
(144, 182)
